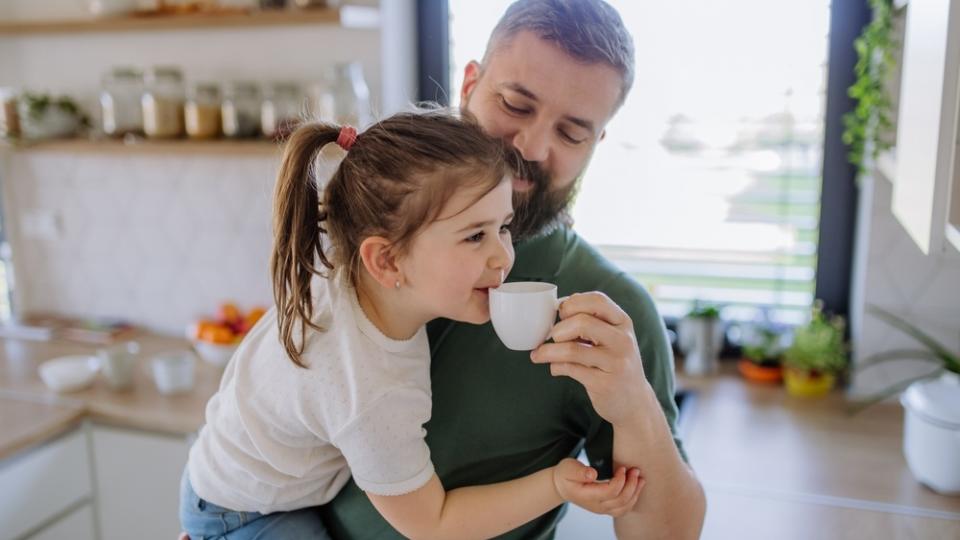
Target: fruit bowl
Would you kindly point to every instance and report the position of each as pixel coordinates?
(217, 354)
(216, 339)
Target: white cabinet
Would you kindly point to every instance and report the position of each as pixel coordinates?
(927, 126)
(78, 525)
(40, 486)
(137, 479)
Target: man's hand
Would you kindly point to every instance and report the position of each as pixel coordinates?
(594, 343)
(577, 483)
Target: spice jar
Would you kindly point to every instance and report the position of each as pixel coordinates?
(240, 110)
(280, 111)
(9, 117)
(351, 95)
(162, 103)
(120, 102)
(202, 111)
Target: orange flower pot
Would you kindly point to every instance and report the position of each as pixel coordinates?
(755, 372)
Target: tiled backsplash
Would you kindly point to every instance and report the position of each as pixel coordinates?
(924, 289)
(159, 240)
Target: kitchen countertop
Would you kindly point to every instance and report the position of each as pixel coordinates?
(777, 466)
(32, 413)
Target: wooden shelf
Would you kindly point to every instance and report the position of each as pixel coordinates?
(145, 146)
(232, 19)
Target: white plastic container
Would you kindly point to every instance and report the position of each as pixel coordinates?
(931, 432)
(173, 371)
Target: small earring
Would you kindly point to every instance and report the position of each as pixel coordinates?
(397, 284)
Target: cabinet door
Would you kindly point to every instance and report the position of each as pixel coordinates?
(40, 484)
(927, 120)
(76, 526)
(137, 478)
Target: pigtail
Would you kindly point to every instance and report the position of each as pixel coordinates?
(297, 226)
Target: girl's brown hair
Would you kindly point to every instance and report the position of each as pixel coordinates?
(394, 180)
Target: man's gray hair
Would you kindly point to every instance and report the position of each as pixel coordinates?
(590, 31)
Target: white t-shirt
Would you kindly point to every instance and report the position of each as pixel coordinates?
(280, 437)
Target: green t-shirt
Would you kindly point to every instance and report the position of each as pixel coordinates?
(498, 416)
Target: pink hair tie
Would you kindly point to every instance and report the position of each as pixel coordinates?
(346, 138)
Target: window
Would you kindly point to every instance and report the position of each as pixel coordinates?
(707, 186)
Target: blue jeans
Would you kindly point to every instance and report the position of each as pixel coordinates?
(203, 520)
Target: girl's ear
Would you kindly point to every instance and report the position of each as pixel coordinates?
(380, 261)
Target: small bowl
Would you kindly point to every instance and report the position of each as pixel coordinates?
(214, 353)
(173, 371)
(69, 373)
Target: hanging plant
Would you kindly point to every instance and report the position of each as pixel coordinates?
(867, 127)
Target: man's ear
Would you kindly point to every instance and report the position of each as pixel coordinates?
(380, 261)
(471, 75)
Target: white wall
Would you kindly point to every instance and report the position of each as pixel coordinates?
(162, 239)
(894, 274)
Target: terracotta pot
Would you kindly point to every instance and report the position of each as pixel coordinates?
(807, 384)
(755, 372)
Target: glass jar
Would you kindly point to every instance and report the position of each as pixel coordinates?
(120, 102)
(240, 110)
(162, 103)
(202, 111)
(350, 94)
(9, 117)
(281, 110)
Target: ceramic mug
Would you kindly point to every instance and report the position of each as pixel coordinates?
(523, 313)
(117, 362)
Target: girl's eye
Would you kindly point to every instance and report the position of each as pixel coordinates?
(510, 108)
(475, 238)
(505, 228)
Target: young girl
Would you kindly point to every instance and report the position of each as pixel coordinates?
(335, 380)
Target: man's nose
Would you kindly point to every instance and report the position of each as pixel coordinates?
(533, 142)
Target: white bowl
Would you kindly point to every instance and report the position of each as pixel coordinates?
(214, 353)
(69, 373)
(173, 371)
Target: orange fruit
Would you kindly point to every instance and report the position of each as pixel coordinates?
(229, 312)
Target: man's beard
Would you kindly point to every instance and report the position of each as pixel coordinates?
(540, 209)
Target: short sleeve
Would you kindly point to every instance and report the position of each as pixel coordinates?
(385, 445)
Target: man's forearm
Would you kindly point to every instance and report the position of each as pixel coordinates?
(672, 504)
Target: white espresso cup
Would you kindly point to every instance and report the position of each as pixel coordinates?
(523, 313)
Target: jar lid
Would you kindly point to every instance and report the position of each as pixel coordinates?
(125, 72)
(242, 88)
(206, 89)
(936, 400)
(166, 72)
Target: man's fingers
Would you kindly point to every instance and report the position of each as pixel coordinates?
(587, 376)
(584, 327)
(596, 304)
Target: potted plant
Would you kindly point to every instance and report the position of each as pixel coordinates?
(763, 348)
(700, 336)
(931, 428)
(816, 355)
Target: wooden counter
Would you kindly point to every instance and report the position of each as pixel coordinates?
(31, 412)
(776, 466)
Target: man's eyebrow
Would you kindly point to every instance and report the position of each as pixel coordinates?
(525, 92)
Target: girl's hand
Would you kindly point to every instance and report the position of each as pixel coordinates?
(577, 483)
